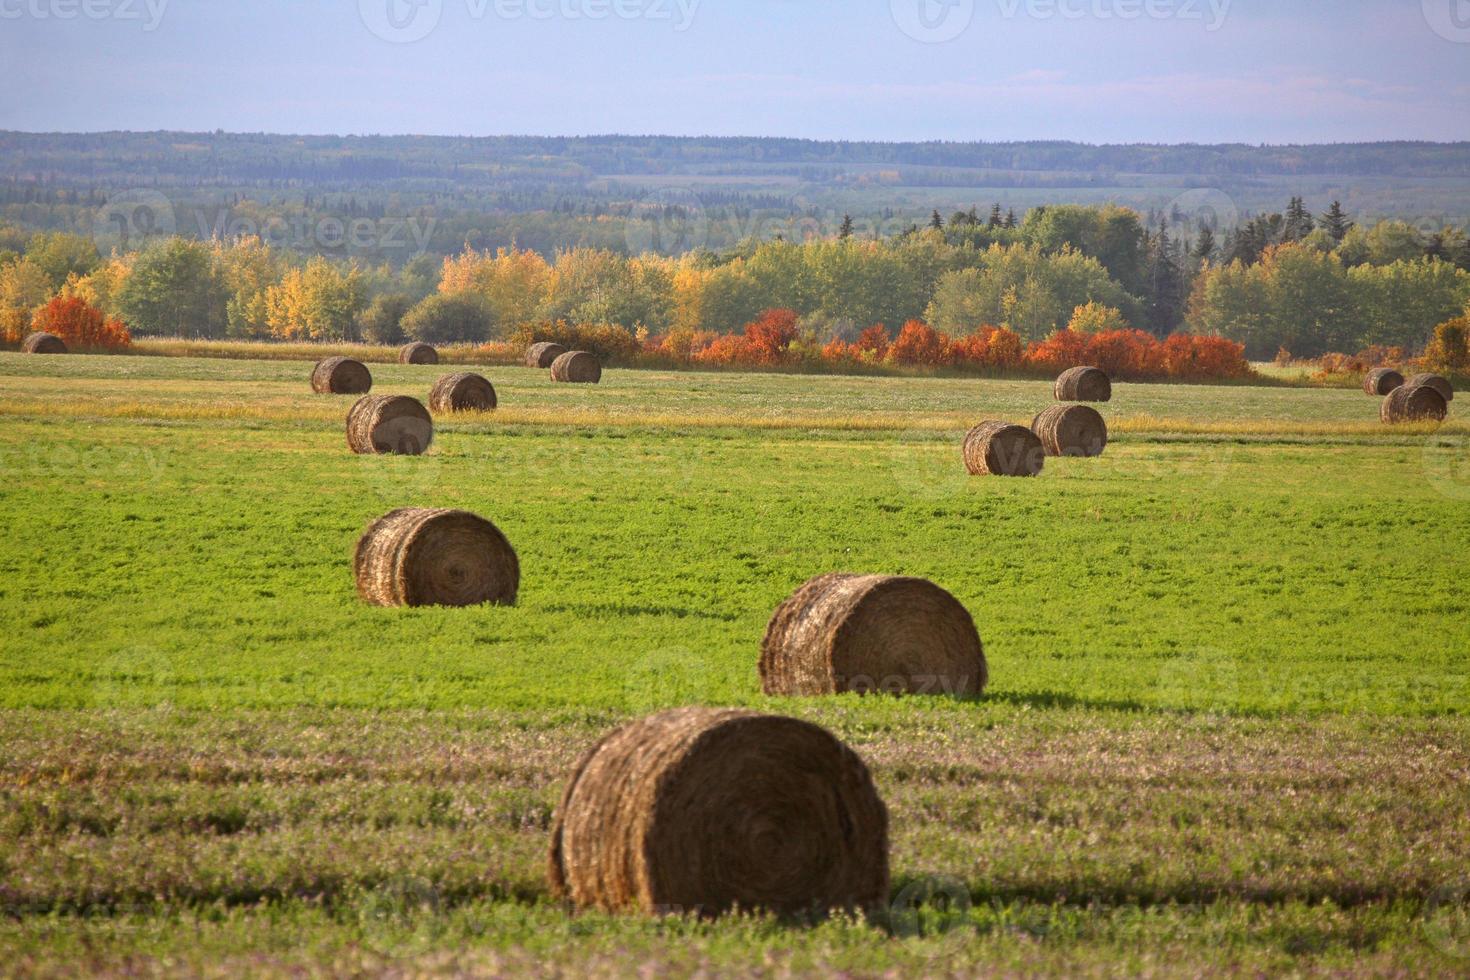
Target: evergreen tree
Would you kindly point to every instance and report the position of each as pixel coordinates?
(846, 230)
(1204, 249)
(1336, 222)
(1166, 291)
(935, 221)
(1010, 218)
(1299, 223)
(995, 218)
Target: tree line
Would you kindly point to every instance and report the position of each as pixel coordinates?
(1307, 283)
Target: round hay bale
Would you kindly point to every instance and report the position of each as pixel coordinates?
(1381, 381)
(389, 424)
(1084, 384)
(578, 367)
(462, 392)
(872, 633)
(1414, 403)
(417, 353)
(543, 354)
(1071, 430)
(43, 343)
(1003, 449)
(1438, 382)
(697, 811)
(430, 557)
(341, 376)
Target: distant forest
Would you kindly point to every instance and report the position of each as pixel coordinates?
(410, 196)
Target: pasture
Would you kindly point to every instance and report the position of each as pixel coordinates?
(1227, 730)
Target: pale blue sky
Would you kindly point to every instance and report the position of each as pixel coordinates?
(1093, 70)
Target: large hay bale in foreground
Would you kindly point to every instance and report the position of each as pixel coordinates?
(341, 376)
(543, 354)
(578, 367)
(872, 633)
(1414, 403)
(43, 343)
(417, 353)
(1003, 449)
(1438, 382)
(1071, 430)
(462, 392)
(1381, 381)
(429, 557)
(389, 424)
(697, 811)
(1083, 384)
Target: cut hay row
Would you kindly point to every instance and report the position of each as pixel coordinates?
(1414, 403)
(576, 367)
(1083, 384)
(462, 392)
(543, 354)
(417, 353)
(431, 557)
(1002, 449)
(1381, 381)
(697, 811)
(341, 376)
(389, 424)
(1071, 430)
(872, 633)
(43, 343)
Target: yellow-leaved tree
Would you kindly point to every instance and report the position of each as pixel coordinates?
(319, 302)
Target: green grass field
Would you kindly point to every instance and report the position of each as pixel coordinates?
(1228, 728)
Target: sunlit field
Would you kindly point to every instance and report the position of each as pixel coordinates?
(1228, 725)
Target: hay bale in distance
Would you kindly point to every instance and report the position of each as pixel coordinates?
(1071, 430)
(1414, 403)
(872, 634)
(462, 392)
(430, 557)
(341, 376)
(417, 353)
(389, 424)
(1083, 384)
(1381, 381)
(699, 810)
(1438, 382)
(578, 367)
(543, 354)
(43, 343)
(1002, 449)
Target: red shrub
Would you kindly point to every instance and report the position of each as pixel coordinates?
(918, 343)
(727, 349)
(81, 325)
(770, 336)
(874, 341)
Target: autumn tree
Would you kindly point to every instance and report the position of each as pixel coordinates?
(82, 326)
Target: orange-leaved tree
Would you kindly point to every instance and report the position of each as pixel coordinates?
(81, 325)
(918, 343)
(770, 335)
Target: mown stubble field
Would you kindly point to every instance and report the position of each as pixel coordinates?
(1226, 729)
